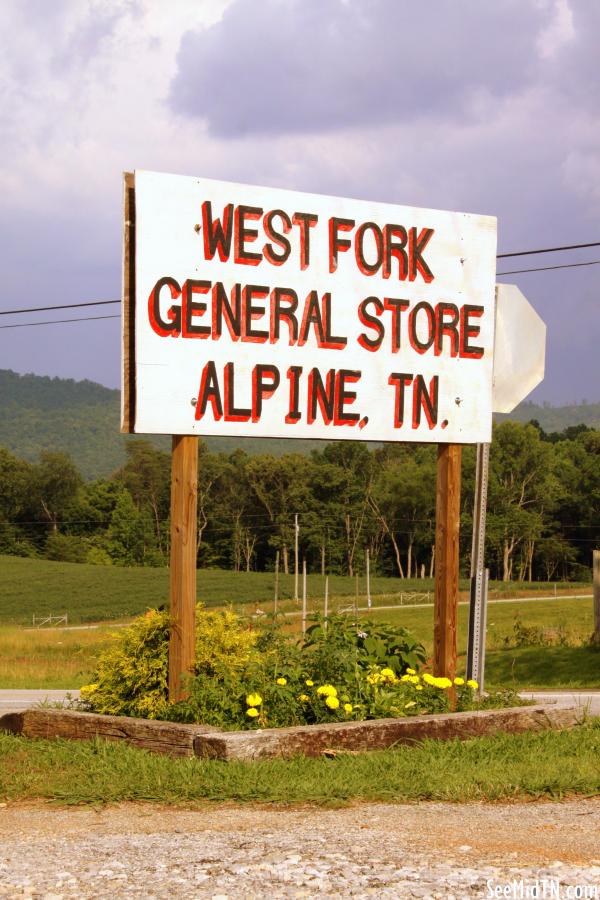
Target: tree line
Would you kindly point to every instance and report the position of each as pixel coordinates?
(543, 507)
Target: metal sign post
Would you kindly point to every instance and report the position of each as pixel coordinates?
(479, 575)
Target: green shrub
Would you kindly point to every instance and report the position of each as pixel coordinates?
(132, 675)
(245, 678)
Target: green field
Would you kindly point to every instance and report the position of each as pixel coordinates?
(49, 658)
(89, 593)
(66, 659)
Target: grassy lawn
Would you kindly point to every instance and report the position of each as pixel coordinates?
(544, 668)
(58, 658)
(574, 616)
(65, 659)
(546, 764)
(49, 659)
(96, 593)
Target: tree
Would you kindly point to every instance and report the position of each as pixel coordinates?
(343, 483)
(403, 500)
(522, 491)
(15, 486)
(126, 543)
(55, 485)
(147, 477)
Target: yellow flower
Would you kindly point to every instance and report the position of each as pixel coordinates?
(308, 682)
(327, 690)
(472, 684)
(442, 682)
(428, 679)
(414, 679)
(332, 702)
(252, 712)
(303, 698)
(405, 678)
(459, 681)
(410, 672)
(388, 673)
(89, 689)
(348, 707)
(282, 681)
(374, 678)
(254, 700)
(419, 687)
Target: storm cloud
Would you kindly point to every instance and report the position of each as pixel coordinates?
(485, 107)
(311, 65)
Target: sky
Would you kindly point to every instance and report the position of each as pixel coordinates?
(480, 106)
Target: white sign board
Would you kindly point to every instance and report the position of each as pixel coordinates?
(270, 313)
(519, 349)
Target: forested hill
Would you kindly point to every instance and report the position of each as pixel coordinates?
(82, 418)
(555, 418)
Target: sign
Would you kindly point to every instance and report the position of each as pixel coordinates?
(253, 311)
(519, 349)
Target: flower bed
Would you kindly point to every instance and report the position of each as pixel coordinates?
(250, 678)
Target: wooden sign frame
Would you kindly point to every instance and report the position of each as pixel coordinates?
(184, 493)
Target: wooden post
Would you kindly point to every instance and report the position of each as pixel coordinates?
(368, 570)
(446, 559)
(326, 602)
(276, 597)
(596, 557)
(184, 490)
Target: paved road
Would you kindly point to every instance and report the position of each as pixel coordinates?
(590, 700)
(12, 700)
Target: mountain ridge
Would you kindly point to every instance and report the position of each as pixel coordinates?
(82, 418)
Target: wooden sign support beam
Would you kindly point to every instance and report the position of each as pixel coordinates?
(184, 490)
(446, 559)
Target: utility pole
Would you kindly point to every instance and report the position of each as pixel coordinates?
(303, 596)
(597, 596)
(276, 597)
(296, 533)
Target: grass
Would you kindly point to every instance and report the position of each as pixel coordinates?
(576, 616)
(58, 658)
(49, 659)
(530, 765)
(544, 668)
(535, 668)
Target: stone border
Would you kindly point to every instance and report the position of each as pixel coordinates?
(207, 742)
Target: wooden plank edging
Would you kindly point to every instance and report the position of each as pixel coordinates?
(205, 741)
(172, 738)
(380, 734)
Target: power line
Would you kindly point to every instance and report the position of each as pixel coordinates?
(13, 312)
(547, 250)
(594, 262)
(59, 321)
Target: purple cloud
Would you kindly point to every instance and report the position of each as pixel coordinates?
(313, 65)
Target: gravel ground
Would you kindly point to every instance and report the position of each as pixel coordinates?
(372, 850)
